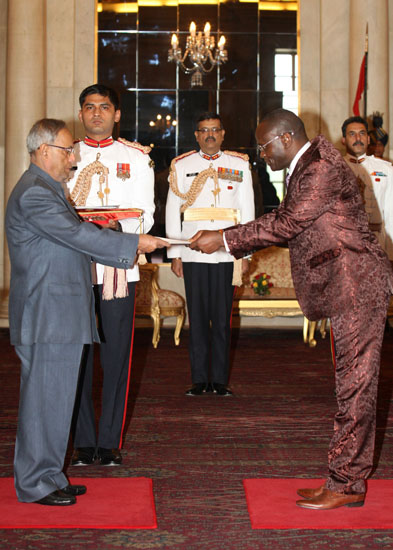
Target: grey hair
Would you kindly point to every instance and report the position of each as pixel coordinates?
(43, 131)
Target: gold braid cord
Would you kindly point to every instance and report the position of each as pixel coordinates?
(196, 186)
(81, 190)
(115, 280)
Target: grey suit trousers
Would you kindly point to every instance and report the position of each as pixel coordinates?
(49, 377)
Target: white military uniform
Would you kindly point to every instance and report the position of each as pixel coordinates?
(236, 192)
(208, 277)
(130, 184)
(375, 178)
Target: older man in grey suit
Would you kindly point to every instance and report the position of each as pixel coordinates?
(51, 307)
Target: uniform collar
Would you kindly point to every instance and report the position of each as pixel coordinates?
(356, 160)
(94, 143)
(210, 157)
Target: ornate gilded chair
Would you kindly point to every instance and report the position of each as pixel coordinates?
(281, 301)
(155, 302)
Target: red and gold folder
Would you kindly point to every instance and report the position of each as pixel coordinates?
(102, 216)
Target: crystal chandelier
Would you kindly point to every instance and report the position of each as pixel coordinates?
(200, 56)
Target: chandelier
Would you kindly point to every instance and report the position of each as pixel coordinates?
(200, 56)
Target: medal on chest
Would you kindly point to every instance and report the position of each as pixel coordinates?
(230, 174)
(123, 171)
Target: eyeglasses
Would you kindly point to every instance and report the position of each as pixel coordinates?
(70, 150)
(261, 148)
(206, 130)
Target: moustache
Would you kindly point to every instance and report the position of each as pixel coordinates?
(358, 143)
(211, 138)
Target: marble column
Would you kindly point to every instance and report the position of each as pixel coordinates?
(374, 14)
(309, 53)
(332, 43)
(3, 65)
(51, 57)
(25, 93)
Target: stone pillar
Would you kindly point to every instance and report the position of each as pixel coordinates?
(324, 65)
(309, 52)
(373, 13)
(25, 92)
(331, 46)
(3, 65)
(334, 67)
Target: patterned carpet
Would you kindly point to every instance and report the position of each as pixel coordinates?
(198, 450)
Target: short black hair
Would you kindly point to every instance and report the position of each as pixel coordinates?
(103, 90)
(208, 115)
(352, 119)
(284, 121)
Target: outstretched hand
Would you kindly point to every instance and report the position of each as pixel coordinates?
(148, 243)
(207, 241)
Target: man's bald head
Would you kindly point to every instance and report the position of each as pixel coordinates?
(280, 135)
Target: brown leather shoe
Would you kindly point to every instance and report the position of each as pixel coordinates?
(310, 493)
(328, 500)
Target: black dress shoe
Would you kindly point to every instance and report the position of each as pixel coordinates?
(83, 456)
(221, 389)
(57, 498)
(74, 490)
(109, 457)
(197, 389)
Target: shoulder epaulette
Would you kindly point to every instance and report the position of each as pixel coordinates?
(183, 156)
(386, 162)
(145, 149)
(243, 156)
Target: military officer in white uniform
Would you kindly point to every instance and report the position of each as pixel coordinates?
(109, 173)
(375, 179)
(208, 189)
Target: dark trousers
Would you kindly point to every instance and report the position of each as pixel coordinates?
(209, 294)
(116, 328)
(358, 336)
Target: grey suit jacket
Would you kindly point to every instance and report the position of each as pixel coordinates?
(51, 298)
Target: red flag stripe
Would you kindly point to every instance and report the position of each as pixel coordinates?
(360, 88)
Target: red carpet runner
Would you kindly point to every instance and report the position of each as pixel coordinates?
(271, 505)
(110, 503)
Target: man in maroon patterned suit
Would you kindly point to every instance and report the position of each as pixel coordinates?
(339, 271)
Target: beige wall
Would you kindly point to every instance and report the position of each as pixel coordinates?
(71, 61)
(332, 42)
(3, 54)
(47, 56)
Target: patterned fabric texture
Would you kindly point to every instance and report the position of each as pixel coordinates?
(199, 450)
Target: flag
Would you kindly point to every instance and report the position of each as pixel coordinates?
(361, 87)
